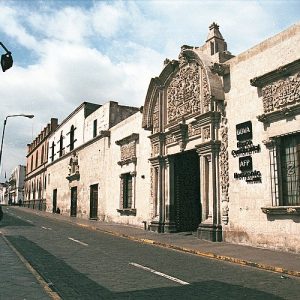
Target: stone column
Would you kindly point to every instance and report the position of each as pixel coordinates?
(210, 227)
(169, 222)
(158, 221)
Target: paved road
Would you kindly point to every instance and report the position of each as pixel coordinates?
(82, 264)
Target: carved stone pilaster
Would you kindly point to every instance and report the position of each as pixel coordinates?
(206, 96)
(224, 175)
(157, 141)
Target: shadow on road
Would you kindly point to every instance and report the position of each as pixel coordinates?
(71, 284)
(9, 220)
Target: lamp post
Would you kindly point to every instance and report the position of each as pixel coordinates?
(6, 59)
(5, 121)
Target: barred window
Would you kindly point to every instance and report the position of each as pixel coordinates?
(52, 151)
(61, 145)
(285, 170)
(72, 137)
(126, 190)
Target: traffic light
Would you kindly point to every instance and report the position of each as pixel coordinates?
(6, 61)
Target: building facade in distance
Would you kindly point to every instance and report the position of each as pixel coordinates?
(16, 185)
(36, 171)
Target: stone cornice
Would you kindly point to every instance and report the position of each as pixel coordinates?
(75, 176)
(156, 161)
(128, 139)
(157, 137)
(208, 147)
(274, 75)
(281, 210)
(208, 118)
(285, 112)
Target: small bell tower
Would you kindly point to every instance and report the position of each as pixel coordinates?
(215, 45)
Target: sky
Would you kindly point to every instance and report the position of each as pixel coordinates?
(67, 52)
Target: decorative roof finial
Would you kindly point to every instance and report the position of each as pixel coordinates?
(214, 25)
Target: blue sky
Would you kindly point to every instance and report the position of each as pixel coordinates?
(67, 52)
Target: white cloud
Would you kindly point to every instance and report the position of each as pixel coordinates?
(106, 18)
(11, 25)
(70, 24)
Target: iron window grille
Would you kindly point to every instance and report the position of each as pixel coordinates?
(285, 170)
(126, 188)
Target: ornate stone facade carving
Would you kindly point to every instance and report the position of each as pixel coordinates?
(282, 93)
(73, 164)
(170, 139)
(152, 192)
(224, 167)
(155, 150)
(205, 93)
(194, 130)
(73, 167)
(155, 117)
(206, 133)
(128, 149)
(183, 93)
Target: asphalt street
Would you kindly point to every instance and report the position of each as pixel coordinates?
(78, 263)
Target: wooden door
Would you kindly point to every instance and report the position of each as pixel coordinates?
(74, 201)
(187, 191)
(94, 201)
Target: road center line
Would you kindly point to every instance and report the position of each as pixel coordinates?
(159, 273)
(81, 243)
(47, 228)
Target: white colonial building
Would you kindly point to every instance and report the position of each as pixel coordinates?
(88, 167)
(215, 149)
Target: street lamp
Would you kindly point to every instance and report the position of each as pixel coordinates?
(10, 116)
(6, 59)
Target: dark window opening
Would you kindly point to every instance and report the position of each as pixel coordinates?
(37, 159)
(127, 190)
(72, 137)
(42, 155)
(52, 151)
(95, 128)
(61, 145)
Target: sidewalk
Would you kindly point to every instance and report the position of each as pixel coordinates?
(16, 281)
(282, 262)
